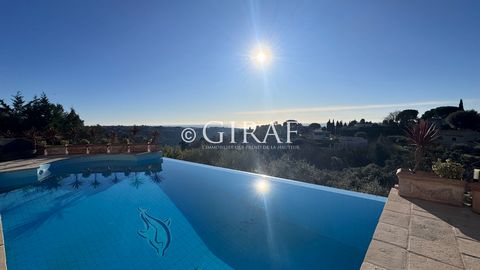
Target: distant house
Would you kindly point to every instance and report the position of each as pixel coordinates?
(449, 137)
(349, 142)
(15, 148)
(320, 135)
(363, 125)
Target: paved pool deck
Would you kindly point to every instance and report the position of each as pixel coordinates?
(417, 234)
(31, 163)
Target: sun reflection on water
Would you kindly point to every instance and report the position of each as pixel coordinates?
(262, 186)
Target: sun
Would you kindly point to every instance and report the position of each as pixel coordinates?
(261, 56)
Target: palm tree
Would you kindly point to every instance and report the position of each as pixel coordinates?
(87, 173)
(113, 137)
(95, 182)
(422, 134)
(51, 135)
(155, 136)
(135, 130)
(72, 133)
(137, 182)
(156, 178)
(92, 132)
(32, 134)
(53, 183)
(115, 178)
(77, 183)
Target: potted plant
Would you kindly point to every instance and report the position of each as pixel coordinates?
(65, 145)
(43, 145)
(87, 145)
(441, 185)
(475, 191)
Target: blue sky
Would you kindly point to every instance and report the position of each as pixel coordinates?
(188, 62)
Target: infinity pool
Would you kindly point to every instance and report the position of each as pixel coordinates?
(145, 213)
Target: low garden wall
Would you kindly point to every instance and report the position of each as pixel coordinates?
(52, 150)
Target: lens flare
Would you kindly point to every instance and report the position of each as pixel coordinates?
(261, 56)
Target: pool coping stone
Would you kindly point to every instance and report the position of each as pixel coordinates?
(3, 255)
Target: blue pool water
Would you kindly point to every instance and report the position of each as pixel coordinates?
(148, 214)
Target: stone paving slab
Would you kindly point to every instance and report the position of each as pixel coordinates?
(386, 255)
(420, 262)
(391, 234)
(3, 256)
(395, 218)
(31, 163)
(471, 263)
(369, 266)
(417, 234)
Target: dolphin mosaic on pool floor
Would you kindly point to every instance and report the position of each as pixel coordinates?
(156, 232)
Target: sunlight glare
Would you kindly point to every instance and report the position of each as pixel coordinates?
(261, 56)
(262, 186)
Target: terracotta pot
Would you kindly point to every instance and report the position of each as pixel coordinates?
(428, 186)
(475, 189)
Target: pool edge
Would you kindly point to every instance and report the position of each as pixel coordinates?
(3, 255)
(361, 195)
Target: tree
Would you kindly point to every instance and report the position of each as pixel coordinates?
(155, 136)
(464, 120)
(460, 105)
(406, 117)
(71, 124)
(51, 135)
(135, 130)
(18, 103)
(330, 125)
(32, 134)
(391, 118)
(5, 117)
(18, 112)
(95, 133)
(439, 112)
(314, 126)
(113, 137)
(40, 115)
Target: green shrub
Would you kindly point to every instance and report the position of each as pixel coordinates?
(84, 141)
(448, 169)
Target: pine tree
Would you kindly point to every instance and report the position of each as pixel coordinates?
(18, 103)
(460, 106)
